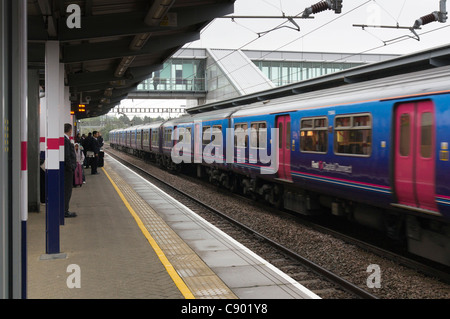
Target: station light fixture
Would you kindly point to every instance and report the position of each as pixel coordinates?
(157, 12)
(123, 66)
(81, 108)
(108, 92)
(139, 41)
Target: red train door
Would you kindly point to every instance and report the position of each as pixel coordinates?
(284, 150)
(415, 155)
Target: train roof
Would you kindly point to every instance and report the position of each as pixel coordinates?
(216, 114)
(151, 125)
(400, 86)
(140, 126)
(178, 120)
(207, 116)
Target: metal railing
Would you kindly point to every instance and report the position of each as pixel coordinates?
(173, 84)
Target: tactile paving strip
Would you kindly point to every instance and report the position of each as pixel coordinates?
(200, 279)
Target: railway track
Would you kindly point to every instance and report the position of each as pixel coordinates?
(320, 280)
(371, 241)
(376, 246)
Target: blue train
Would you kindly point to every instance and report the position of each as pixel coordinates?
(375, 152)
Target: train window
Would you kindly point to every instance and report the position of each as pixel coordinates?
(361, 120)
(343, 122)
(322, 123)
(179, 134)
(138, 137)
(217, 134)
(155, 137)
(254, 135)
(313, 135)
(240, 135)
(168, 135)
(206, 135)
(307, 124)
(258, 135)
(353, 135)
(187, 134)
(405, 134)
(262, 135)
(426, 126)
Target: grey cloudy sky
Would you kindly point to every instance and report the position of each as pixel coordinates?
(336, 33)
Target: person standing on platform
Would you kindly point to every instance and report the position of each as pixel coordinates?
(84, 143)
(80, 160)
(70, 163)
(92, 152)
(100, 140)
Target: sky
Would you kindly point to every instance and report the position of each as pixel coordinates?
(327, 32)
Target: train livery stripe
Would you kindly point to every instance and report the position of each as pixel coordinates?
(366, 186)
(444, 200)
(371, 187)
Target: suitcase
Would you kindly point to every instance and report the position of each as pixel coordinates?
(78, 176)
(101, 161)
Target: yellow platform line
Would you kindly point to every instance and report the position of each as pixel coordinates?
(162, 257)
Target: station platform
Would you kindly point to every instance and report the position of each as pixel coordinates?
(130, 240)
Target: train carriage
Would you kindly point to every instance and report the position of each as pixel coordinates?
(155, 144)
(253, 142)
(375, 152)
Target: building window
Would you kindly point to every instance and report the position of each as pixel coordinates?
(353, 135)
(313, 135)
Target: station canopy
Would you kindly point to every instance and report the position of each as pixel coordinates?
(108, 47)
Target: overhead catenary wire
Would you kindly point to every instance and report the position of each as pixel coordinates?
(385, 43)
(298, 38)
(280, 25)
(388, 13)
(393, 41)
(401, 10)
